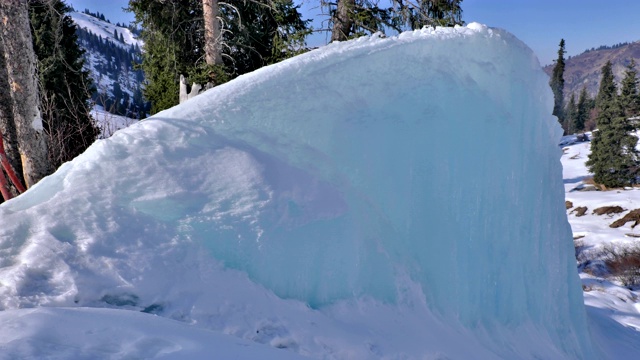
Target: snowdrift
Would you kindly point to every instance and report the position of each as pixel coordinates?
(379, 198)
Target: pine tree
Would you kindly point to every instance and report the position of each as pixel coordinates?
(65, 87)
(629, 97)
(557, 85)
(420, 13)
(353, 18)
(254, 34)
(571, 114)
(343, 20)
(583, 109)
(19, 73)
(607, 90)
(212, 33)
(614, 158)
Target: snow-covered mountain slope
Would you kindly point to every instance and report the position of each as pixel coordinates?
(106, 30)
(395, 198)
(110, 54)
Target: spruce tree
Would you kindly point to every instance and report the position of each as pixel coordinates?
(19, 73)
(65, 87)
(583, 109)
(571, 114)
(607, 90)
(343, 20)
(420, 13)
(254, 34)
(629, 98)
(350, 19)
(614, 158)
(557, 85)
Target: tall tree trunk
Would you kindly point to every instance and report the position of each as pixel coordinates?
(20, 61)
(7, 125)
(212, 33)
(343, 20)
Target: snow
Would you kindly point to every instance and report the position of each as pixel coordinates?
(373, 199)
(614, 310)
(96, 60)
(39, 333)
(105, 29)
(109, 123)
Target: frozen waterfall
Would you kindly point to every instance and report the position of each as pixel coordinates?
(380, 198)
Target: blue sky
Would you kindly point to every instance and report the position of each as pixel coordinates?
(539, 23)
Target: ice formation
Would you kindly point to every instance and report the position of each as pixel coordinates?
(413, 179)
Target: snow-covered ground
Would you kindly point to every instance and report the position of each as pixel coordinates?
(108, 122)
(406, 204)
(606, 299)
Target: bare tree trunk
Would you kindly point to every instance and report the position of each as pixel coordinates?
(343, 20)
(7, 125)
(212, 33)
(20, 61)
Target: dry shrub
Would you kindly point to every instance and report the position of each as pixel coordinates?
(633, 215)
(623, 263)
(568, 204)
(580, 210)
(608, 210)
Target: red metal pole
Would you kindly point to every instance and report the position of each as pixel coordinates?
(9, 169)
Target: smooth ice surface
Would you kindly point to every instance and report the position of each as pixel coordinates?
(380, 198)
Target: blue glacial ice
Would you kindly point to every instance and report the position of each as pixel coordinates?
(362, 170)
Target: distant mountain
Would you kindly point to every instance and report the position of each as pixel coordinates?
(584, 69)
(111, 52)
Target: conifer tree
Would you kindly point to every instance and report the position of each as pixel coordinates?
(571, 114)
(343, 20)
(418, 13)
(254, 34)
(212, 33)
(614, 158)
(583, 109)
(65, 87)
(19, 74)
(557, 85)
(629, 98)
(607, 90)
(353, 18)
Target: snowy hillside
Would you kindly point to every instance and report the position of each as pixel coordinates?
(407, 204)
(106, 30)
(111, 52)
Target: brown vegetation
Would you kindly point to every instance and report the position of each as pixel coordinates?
(633, 215)
(608, 210)
(580, 210)
(568, 204)
(623, 263)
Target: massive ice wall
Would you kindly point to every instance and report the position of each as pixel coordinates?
(372, 169)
